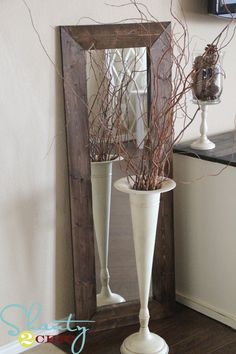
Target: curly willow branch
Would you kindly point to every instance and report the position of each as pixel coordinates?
(148, 161)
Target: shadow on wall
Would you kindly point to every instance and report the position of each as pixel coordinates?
(29, 230)
(64, 291)
(36, 260)
(26, 255)
(195, 7)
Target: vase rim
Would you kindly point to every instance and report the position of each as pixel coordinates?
(206, 103)
(119, 158)
(123, 185)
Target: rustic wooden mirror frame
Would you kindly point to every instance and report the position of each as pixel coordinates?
(75, 40)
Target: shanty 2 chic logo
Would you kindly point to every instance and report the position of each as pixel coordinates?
(32, 333)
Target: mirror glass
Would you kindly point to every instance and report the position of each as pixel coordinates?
(116, 87)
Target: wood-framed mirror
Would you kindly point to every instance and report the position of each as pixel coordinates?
(75, 42)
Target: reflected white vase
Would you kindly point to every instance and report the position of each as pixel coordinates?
(144, 211)
(101, 178)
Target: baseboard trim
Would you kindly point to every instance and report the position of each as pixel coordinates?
(206, 309)
(15, 347)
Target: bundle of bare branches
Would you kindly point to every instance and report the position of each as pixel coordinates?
(148, 161)
(108, 101)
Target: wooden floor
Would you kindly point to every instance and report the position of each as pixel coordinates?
(45, 349)
(187, 332)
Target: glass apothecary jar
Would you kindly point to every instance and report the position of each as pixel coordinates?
(207, 76)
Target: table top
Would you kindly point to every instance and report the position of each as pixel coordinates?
(224, 152)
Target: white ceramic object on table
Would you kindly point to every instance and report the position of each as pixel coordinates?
(203, 143)
(144, 211)
(101, 178)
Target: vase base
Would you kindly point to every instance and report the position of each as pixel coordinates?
(138, 344)
(203, 145)
(103, 300)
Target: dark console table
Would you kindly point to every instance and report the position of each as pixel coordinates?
(224, 152)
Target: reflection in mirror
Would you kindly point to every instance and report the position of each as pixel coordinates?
(116, 87)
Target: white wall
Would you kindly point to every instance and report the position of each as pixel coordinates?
(35, 253)
(205, 242)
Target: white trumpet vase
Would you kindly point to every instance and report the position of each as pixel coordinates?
(144, 212)
(101, 178)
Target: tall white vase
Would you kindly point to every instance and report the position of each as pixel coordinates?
(101, 178)
(144, 211)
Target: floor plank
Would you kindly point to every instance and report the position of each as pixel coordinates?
(45, 349)
(226, 349)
